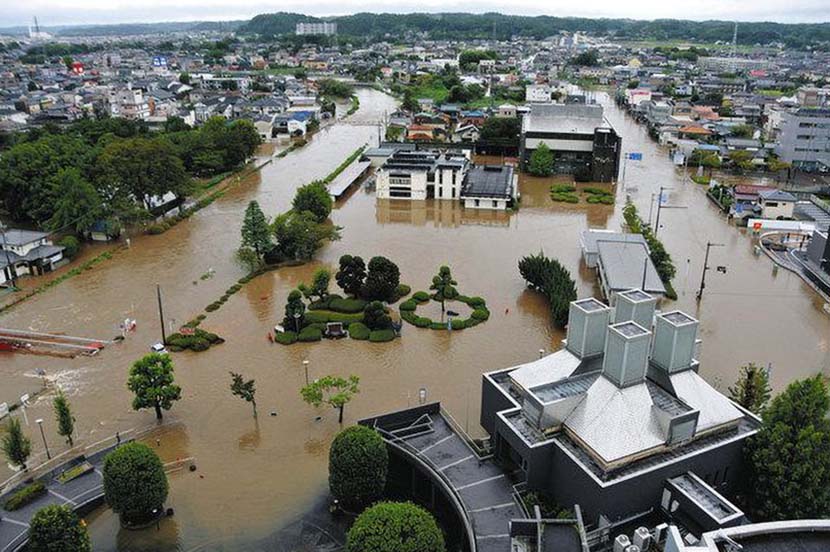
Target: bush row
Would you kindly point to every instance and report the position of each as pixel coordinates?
(480, 313)
(199, 341)
(24, 496)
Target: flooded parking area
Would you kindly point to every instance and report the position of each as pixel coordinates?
(256, 476)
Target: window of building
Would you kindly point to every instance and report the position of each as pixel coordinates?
(495, 204)
(453, 193)
(441, 193)
(477, 203)
(453, 178)
(440, 177)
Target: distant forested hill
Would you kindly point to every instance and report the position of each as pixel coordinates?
(488, 25)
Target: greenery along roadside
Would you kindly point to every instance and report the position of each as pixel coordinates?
(88, 265)
(549, 277)
(662, 260)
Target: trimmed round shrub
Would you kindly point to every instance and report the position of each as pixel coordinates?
(134, 482)
(475, 302)
(437, 325)
(358, 330)
(420, 296)
(458, 323)
(381, 336)
(395, 527)
(402, 291)
(157, 228)
(480, 314)
(57, 528)
(408, 305)
(213, 306)
(285, 338)
(310, 333)
(198, 344)
(358, 464)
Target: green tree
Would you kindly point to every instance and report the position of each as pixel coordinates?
(77, 204)
(319, 287)
(395, 527)
(444, 286)
(589, 58)
(151, 379)
(299, 235)
(175, 124)
(294, 311)
(245, 390)
(256, 234)
(334, 391)
(382, 280)
(142, 168)
(57, 528)
(375, 316)
(541, 161)
(497, 128)
(741, 159)
(549, 277)
(64, 417)
(789, 457)
(135, 484)
(314, 198)
(352, 274)
(184, 78)
(16, 446)
(752, 390)
(742, 131)
(27, 174)
(358, 465)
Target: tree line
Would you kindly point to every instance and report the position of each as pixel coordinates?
(113, 169)
(459, 26)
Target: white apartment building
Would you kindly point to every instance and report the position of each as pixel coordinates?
(420, 175)
(130, 104)
(321, 28)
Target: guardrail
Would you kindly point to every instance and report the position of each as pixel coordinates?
(400, 444)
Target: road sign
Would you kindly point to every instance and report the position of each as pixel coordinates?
(635, 156)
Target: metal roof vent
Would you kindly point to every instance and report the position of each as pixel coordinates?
(637, 306)
(587, 325)
(626, 353)
(675, 334)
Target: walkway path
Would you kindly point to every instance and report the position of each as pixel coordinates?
(483, 488)
(80, 493)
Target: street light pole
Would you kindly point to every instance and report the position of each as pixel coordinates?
(305, 366)
(39, 422)
(161, 315)
(709, 245)
(659, 208)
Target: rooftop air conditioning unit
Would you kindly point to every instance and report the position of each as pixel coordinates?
(633, 548)
(642, 538)
(660, 533)
(621, 543)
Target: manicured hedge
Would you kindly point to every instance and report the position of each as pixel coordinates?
(420, 296)
(409, 305)
(310, 333)
(25, 496)
(359, 331)
(348, 305)
(478, 304)
(285, 338)
(358, 465)
(323, 316)
(480, 314)
(199, 341)
(381, 336)
(401, 291)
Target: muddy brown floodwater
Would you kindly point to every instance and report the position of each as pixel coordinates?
(255, 476)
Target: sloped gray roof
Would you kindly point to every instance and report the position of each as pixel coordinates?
(624, 264)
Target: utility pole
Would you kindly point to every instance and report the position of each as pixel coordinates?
(709, 245)
(161, 315)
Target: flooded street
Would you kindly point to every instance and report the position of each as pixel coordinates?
(254, 476)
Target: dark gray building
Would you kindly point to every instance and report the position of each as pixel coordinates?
(583, 142)
(611, 421)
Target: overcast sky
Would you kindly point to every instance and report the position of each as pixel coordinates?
(60, 12)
